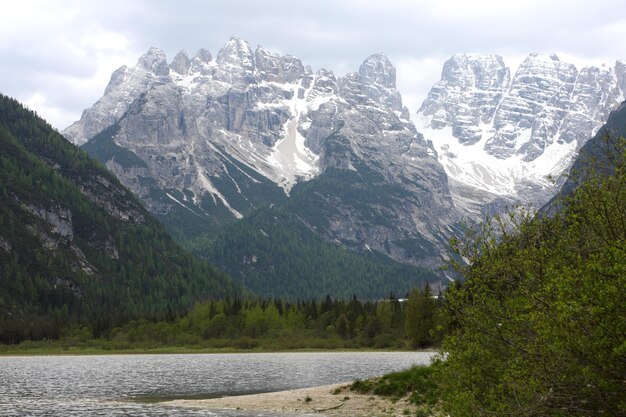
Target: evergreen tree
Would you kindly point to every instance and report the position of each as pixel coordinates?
(419, 318)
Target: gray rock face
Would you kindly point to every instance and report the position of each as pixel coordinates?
(620, 73)
(405, 198)
(379, 81)
(468, 94)
(211, 138)
(274, 68)
(181, 63)
(541, 87)
(204, 55)
(506, 136)
(58, 218)
(126, 85)
(154, 61)
(377, 69)
(235, 63)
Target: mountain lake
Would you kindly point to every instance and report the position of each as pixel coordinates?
(138, 385)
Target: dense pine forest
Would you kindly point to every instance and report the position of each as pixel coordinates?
(283, 259)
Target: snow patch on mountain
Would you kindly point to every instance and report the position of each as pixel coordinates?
(514, 137)
(290, 154)
(471, 165)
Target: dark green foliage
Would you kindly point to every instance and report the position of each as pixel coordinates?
(273, 253)
(102, 148)
(538, 328)
(250, 324)
(421, 320)
(75, 246)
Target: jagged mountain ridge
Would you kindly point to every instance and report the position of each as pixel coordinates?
(499, 136)
(217, 139)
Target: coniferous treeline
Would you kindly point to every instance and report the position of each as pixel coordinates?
(276, 324)
(274, 254)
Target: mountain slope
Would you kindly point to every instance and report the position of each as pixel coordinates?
(77, 246)
(596, 155)
(205, 143)
(274, 253)
(553, 288)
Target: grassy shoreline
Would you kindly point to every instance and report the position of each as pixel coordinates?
(412, 392)
(84, 351)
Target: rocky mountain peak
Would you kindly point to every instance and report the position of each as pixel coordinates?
(324, 84)
(293, 69)
(544, 69)
(216, 140)
(235, 63)
(268, 64)
(474, 70)
(181, 63)
(236, 51)
(117, 78)
(377, 69)
(155, 62)
(470, 89)
(204, 55)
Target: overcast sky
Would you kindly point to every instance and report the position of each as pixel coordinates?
(58, 55)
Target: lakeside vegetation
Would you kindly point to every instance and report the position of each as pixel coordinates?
(538, 327)
(267, 325)
(417, 383)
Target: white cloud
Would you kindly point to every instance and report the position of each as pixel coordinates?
(415, 77)
(39, 103)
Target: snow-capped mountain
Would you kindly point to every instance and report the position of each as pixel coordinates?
(501, 137)
(205, 141)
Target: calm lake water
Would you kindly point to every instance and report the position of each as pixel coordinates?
(134, 385)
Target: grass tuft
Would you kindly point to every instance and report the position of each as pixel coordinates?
(417, 382)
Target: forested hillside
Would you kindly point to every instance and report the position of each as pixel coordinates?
(75, 246)
(273, 253)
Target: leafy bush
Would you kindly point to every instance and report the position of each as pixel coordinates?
(538, 328)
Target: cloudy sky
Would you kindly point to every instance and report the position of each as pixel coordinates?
(58, 55)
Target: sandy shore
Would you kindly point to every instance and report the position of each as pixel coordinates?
(328, 400)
